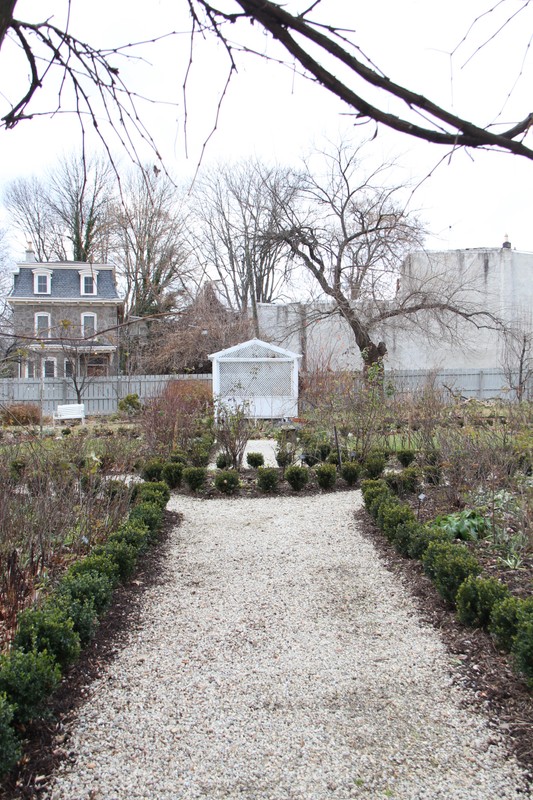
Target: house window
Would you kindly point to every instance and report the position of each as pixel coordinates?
(68, 370)
(42, 280)
(29, 369)
(49, 368)
(42, 325)
(88, 282)
(88, 325)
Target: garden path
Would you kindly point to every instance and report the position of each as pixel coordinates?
(278, 658)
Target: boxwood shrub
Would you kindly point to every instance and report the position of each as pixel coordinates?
(504, 621)
(10, 749)
(405, 457)
(134, 533)
(350, 472)
(420, 539)
(194, 477)
(326, 476)
(267, 479)
(151, 492)
(149, 514)
(227, 481)
(477, 597)
(522, 649)
(152, 469)
(90, 589)
(48, 628)
(99, 563)
(374, 464)
(255, 460)
(171, 473)
(448, 565)
(27, 680)
(297, 477)
(123, 554)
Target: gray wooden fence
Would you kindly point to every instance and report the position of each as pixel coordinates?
(481, 384)
(100, 395)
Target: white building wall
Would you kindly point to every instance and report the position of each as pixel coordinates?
(497, 280)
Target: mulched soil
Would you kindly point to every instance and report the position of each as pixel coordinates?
(478, 665)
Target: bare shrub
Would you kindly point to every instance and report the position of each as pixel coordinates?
(176, 416)
(233, 431)
(20, 414)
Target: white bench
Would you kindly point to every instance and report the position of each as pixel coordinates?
(70, 411)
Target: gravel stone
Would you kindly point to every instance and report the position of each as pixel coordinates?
(279, 659)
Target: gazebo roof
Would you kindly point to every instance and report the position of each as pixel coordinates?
(254, 348)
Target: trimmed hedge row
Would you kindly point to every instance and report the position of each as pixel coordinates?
(479, 602)
(49, 637)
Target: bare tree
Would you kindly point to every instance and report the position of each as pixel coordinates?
(352, 234)
(237, 208)
(182, 343)
(150, 244)
(517, 360)
(321, 49)
(70, 204)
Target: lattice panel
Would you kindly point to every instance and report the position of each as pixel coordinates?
(255, 380)
(256, 350)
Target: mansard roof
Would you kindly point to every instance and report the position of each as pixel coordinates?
(65, 282)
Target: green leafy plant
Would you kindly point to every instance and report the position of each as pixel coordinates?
(10, 749)
(297, 477)
(48, 628)
(255, 460)
(194, 477)
(326, 476)
(468, 525)
(28, 680)
(393, 514)
(227, 481)
(476, 598)
(448, 565)
(267, 479)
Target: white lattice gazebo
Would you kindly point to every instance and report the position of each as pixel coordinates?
(259, 376)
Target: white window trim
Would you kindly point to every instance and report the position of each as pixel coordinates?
(53, 360)
(48, 327)
(88, 273)
(73, 365)
(26, 369)
(94, 318)
(37, 273)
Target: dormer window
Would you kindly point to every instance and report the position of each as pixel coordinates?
(42, 281)
(88, 282)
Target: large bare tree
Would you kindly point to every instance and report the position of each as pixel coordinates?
(237, 207)
(66, 213)
(321, 47)
(352, 234)
(150, 248)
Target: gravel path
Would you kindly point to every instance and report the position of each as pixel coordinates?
(279, 659)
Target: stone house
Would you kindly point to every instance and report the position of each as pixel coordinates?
(65, 318)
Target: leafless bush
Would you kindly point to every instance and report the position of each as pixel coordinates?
(233, 431)
(175, 417)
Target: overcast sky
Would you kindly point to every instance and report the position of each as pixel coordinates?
(471, 199)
